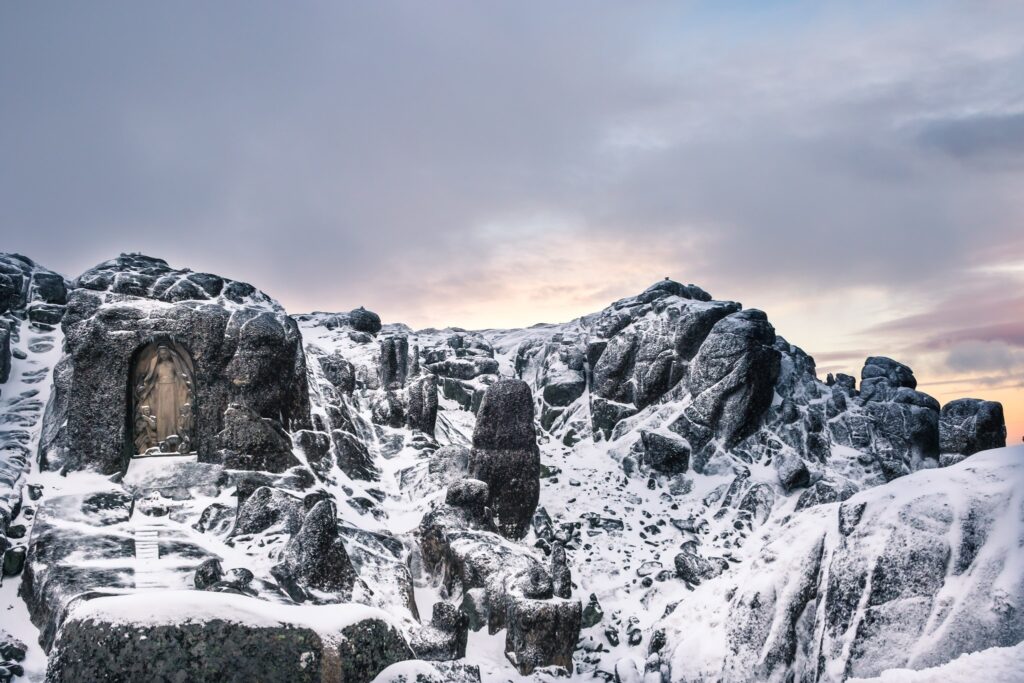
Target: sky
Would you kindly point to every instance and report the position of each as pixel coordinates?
(855, 169)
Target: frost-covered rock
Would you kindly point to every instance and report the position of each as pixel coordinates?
(505, 455)
(969, 425)
(444, 638)
(246, 351)
(200, 636)
(419, 671)
(315, 561)
(909, 574)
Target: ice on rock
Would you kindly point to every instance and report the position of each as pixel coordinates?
(659, 491)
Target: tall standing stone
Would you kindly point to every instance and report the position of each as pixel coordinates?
(505, 455)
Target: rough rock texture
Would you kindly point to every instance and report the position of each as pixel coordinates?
(315, 561)
(394, 361)
(268, 507)
(95, 646)
(505, 455)
(542, 633)
(422, 412)
(502, 584)
(246, 351)
(732, 380)
(444, 638)
(915, 573)
(417, 671)
(969, 425)
(664, 453)
(251, 442)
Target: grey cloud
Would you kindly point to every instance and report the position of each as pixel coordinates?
(352, 153)
(996, 139)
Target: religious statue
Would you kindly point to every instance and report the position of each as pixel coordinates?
(163, 398)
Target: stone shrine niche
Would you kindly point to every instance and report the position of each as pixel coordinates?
(162, 399)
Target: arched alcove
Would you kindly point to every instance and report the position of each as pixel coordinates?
(162, 400)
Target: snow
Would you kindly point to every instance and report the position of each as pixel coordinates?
(170, 607)
(994, 665)
(611, 564)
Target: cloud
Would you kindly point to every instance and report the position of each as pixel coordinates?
(989, 138)
(975, 356)
(424, 160)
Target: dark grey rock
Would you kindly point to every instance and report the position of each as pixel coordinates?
(667, 454)
(11, 649)
(246, 351)
(542, 633)
(207, 574)
(339, 372)
(211, 649)
(792, 471)
(363, 320)
(422, 412)
(758, 501)
(694, 568)
(353, 457)
(268, 507)
(251, 442)
(444, 638)
(315, 559)
(394, 361)
(969, 425)
(826, 491)
(732, 380)
(14, 561)
(592, 613)
(505, 455)
(561, 575)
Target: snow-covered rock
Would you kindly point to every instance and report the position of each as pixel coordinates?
(671, 460)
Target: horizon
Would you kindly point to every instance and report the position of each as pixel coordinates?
(943, 388)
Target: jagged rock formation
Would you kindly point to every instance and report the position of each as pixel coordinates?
(726, 515)
(246, 352)
(505, 455)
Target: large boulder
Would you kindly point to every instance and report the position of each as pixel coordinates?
(969, 425)
(505, 455)
(732, 381)
(542, 633)
(910, 574)
(445, 637)
(881, 376)
(394, 361)
(206, 637)
(314, 564)
(422, 410)
(244, 348)
(251, 442)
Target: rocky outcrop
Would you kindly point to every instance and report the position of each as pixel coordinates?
(394, 361)
(422, 412)
(505, 455)
(315, 562)
(245, 350)
(251, 442)
(905, 579)
(969, 425)
(444, 638)
(464, 365)
(502, 584)
(223, 637)
(732, 381)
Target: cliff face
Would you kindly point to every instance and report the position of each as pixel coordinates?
(660, 491)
